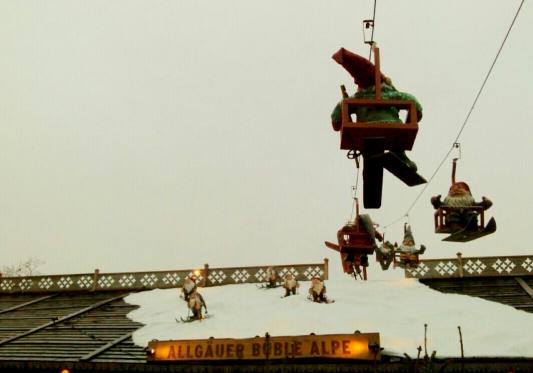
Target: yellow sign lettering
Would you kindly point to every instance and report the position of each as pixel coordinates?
(338, 346)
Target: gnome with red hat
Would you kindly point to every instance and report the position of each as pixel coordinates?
(460, 198)
(363, 71)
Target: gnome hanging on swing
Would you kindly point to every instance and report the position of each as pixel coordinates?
(407, 253)
(458, 213)
(385, 254)
(364, 73)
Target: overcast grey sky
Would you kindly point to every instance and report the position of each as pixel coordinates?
(150, 135)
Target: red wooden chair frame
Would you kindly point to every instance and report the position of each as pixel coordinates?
(404, 260)
(395, 135)
(442, 213)
(354, 240)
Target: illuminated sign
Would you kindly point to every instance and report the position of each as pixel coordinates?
(364, 346)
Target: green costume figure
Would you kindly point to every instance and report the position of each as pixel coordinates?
(363, 72)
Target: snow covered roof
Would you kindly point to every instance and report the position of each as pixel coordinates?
(97, 327)
(397, 308)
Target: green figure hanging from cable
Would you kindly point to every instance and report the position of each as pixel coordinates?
(377, 133)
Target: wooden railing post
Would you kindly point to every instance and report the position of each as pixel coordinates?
(205, 276)
(95, 279)
(326, 269)
(460, 264)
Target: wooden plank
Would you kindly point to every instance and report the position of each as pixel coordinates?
(16, 307)
(524, 286)
(101, 327)
(106, 347)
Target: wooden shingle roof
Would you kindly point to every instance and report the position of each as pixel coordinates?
(68, 327)
(82, 318)
(503, 279)
(505, 290)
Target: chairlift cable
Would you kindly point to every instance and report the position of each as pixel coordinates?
(489, 72)
(372, 33)
(395, 221)
(356, 155)
(465, 122)
(355, 190)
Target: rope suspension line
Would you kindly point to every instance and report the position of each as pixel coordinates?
(465, 122)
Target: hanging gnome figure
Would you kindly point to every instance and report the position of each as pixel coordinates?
(317, 291)
(385, 254)
(407, 252)
(355, 240)
(189, 286)
(272, 277)
(196, 303)
(459, 197)
(363, 72)
(290, 284)
(461, 219)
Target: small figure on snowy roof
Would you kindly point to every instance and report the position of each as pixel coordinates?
(272, 277)
(317, 291)
(290, 284)
(195, 303)
(189, 286)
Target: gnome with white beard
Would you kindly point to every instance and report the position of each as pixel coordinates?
(460, 203)
(408, 252)
(317, 291)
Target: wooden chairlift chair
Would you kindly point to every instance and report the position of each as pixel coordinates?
(355, 242)
(472, 227)
(375, 140)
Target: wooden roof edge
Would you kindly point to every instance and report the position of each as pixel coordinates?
(459, 254)
(186, 270)
(126, 281)
(466, 365)
(459, 267)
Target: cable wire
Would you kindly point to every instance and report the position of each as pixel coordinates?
(490, 70)
(466, 118)
(372, 33)
(355, 189)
